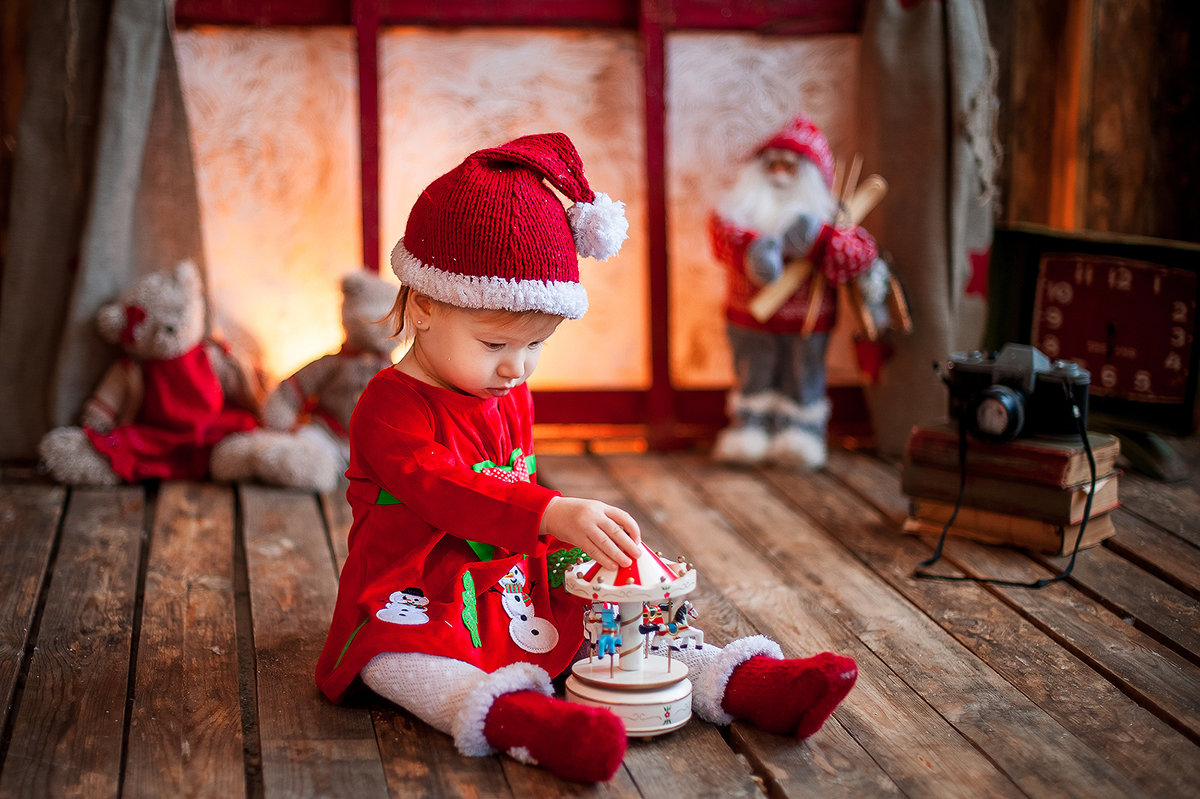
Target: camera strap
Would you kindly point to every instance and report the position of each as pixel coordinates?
(920, 572)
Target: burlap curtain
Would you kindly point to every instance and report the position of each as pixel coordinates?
(927, 121)
(103, 191)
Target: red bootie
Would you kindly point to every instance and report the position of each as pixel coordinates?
(573, 741)
(789, 697)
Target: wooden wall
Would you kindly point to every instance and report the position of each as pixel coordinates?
(1099, 114)
(14, 20)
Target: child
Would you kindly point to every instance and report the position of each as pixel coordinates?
(451, 603)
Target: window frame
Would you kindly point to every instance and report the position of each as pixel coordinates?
(665, 416)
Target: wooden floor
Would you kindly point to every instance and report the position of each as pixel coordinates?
(160, 643)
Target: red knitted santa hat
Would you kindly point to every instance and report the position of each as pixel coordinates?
(804, 138)
(491, 234)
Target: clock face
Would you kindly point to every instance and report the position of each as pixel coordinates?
(1127, 322)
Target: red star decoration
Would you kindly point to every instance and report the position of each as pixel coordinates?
(978, 283)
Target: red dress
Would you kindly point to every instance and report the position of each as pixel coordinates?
(182, 416)
(444, 552)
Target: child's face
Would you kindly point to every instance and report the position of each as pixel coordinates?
(480, 353)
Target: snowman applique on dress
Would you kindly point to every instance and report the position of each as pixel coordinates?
(528, 631)
(405, 607)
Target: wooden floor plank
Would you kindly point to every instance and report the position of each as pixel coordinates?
(875, 481)
(338, 517)
(1173, 506)
(29, 519)
(69, 725)
(723, 774)
(1141, 665)
(419, 761)
(526, 780)
(185, 736)
(1089, 687)
(1084, 701)
(1165, 613)
(831, 764)
(1028, 745)
(1149, 672)
(691, 761)
(779, 610)
(310, 747)
(1157, 525)
(1166, 606)
(1168, 557)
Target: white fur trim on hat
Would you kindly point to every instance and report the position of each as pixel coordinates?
(709, 688)
(561, 298)
(469, 724)
(599, 227)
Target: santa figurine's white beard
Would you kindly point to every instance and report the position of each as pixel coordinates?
(768, 205)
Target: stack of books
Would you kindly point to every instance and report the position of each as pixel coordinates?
(1030, 492)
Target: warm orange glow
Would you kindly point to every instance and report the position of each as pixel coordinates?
(274, 128)
(574, 439)
(1073, 73)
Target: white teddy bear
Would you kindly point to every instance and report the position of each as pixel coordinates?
(306, 443)
(159, 410)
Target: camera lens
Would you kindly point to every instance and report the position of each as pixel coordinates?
(997, 414)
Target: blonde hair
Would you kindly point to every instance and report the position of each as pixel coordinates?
(396, 315)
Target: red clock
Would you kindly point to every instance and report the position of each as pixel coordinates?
(1128, 322)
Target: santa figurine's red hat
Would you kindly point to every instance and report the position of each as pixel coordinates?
(491, 233)
(803, 137)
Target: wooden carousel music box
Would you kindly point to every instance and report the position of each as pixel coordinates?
(629, 608)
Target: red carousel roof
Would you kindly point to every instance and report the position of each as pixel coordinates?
(649, 569)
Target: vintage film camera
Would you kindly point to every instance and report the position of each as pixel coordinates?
(1017, 393)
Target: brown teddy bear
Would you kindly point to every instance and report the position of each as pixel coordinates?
(161, 407)
(305, 443)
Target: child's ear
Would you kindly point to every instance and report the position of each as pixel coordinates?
(420, 309)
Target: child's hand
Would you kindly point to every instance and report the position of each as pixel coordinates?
(608, 535)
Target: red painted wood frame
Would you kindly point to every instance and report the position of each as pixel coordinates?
(666, 415)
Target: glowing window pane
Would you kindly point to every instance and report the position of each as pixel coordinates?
(273, 116)
(445, 94)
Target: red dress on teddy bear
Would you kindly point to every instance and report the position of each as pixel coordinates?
(183, 414)
(162, 406)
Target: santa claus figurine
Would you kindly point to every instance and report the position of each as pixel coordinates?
(782, 209)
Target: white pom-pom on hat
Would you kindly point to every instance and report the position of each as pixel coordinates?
(599, 227)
